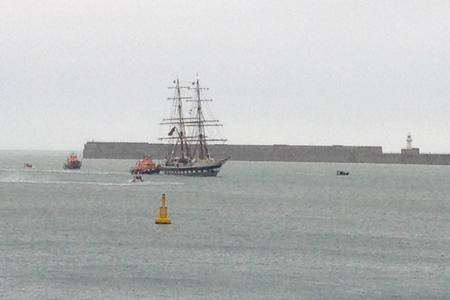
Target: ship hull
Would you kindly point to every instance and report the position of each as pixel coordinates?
(74, 166)
(147, 171)
(206, 170)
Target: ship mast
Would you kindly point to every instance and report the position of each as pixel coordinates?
(203, 148)
(194, 144)
(178, 121)
(200, 123)
(184, 146)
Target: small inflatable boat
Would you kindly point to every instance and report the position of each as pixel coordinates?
(137, 178)
(342, 173)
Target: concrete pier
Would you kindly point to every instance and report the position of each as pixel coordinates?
(336, 153)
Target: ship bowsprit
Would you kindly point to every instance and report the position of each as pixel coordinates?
(195, 169)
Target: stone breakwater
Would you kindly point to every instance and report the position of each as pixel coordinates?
(336, 153)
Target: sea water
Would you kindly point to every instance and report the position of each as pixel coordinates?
(264, 230)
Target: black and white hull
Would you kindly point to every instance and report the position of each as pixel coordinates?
(194, 169)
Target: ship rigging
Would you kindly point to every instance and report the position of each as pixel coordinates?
(190, 154)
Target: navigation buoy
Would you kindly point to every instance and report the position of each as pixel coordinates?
(163, 215)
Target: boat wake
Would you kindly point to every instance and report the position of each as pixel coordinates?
(52, 171)
(57, 182)
(84, 172)
(8, 170)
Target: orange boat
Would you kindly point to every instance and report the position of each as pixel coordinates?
(72, 162)
(146, 166)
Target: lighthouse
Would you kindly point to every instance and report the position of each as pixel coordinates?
(409, 150)
(409, 141)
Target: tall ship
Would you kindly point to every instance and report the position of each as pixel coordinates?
(189, 153)
(72, 162)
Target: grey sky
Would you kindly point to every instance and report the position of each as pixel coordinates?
(292, 72)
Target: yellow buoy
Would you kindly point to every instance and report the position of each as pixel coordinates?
(163, 215)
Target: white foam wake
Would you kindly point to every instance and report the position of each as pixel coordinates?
(53, 171)
(26, 181)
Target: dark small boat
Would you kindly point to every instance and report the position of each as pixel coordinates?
(137, 178)
(72, 162)
(27, 165)
(342, 173)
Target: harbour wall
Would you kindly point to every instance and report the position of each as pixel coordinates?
(336, 153)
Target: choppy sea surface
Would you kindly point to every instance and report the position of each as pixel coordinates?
(260, 230)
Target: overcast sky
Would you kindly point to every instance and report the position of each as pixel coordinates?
(281, 72)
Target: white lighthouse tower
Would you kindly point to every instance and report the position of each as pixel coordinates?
(409, 141)
(409, 150)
